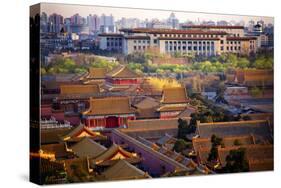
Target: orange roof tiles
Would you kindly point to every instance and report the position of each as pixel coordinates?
(199, 143)
(174, 95)
(79, 89)
(253, 152)
(122, 72)
(109, 105)
(124, 170)
(115, 152)
(97, 73)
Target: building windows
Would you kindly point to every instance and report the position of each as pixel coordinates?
(135, 41)
(135, 48)
(221, 48)
(194, 48)
(221, 41)
(227, 48)
(189, 48)
(155, 41)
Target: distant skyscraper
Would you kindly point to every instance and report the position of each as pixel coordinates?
(93, 23)
(55, 23)
(173, 21)
(129, 23)
(44, 22)
(107, 24)
(76, 19)
(67, 25)
(222, 23)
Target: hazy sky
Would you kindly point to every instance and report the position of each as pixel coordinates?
(84, 10)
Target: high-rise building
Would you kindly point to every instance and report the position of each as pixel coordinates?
(55, 23)
(44, 22)
(93, 22)
(107, 24)
(129, 23)
(76, 19)
(67, 24)
(173, 21)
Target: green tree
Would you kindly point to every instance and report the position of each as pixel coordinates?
(264, 63)
(232, 60)
(216, 141)
(180, 145)
(236, 161)
(43, 71)
(255, 92)
(184, 128)
(243, 63)
(236, 142)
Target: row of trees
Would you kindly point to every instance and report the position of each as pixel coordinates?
(142, 62)
(61, 65)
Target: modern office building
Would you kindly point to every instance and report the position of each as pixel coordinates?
(201, 41)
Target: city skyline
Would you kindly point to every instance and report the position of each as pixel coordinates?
(143, 14)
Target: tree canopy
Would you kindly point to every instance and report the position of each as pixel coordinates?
(236, 161)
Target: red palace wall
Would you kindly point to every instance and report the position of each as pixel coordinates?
(108, 122)
(168, 115)
(123, 81)
(47, 112)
